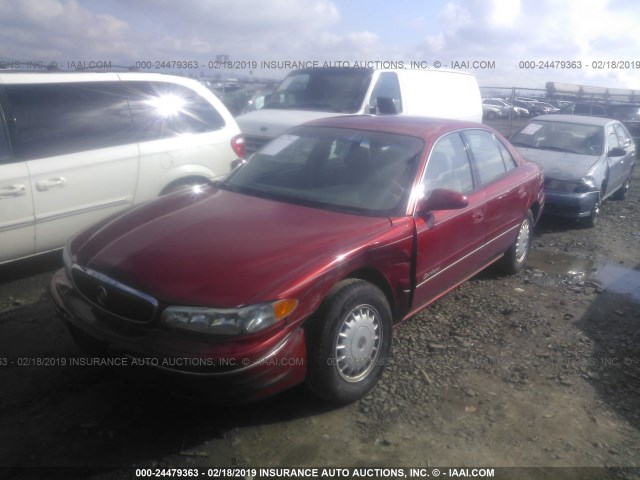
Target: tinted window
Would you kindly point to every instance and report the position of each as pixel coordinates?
(448, 166)
(488, 159)
(56, 119)
(162, 110)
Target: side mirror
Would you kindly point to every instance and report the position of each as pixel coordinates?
(386, 106)
(442, 199)
(617, 152)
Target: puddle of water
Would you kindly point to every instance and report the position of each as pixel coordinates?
(612, 277)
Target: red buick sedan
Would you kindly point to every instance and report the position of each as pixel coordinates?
(296, 267)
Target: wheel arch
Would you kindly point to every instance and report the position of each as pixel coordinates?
(376, 278)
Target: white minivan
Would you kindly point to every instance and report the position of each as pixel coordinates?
(309, 94)
(76, 147)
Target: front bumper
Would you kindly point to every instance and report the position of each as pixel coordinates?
(574, 205)
(228, 370)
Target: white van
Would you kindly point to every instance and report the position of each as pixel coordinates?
(76, 147)
(309, 94)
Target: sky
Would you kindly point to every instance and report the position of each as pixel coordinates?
(504, 43)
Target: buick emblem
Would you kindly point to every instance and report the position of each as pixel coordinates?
(102, 296)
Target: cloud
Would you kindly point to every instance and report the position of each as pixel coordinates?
(49, 29)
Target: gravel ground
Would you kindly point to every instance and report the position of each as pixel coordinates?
(540, 369)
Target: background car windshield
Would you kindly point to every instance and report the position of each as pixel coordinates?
(562, 137)
(363, 172)
(333, 90)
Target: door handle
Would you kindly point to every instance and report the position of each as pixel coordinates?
(10, 191)
(49, 183)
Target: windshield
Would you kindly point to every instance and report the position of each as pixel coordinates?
(324, 89)
(561, 137)
(351, 171)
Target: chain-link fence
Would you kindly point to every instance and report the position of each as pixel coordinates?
(508, 109)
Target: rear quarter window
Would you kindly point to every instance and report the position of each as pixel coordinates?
(163, 110)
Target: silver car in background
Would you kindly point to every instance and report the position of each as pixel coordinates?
(585, 160)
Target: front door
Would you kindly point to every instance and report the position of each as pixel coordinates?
(449, 242)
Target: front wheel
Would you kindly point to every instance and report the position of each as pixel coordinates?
(349, 340)
(515, 258)
(592, 220)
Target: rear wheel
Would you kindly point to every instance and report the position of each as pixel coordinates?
(515, 258)
(349, 341)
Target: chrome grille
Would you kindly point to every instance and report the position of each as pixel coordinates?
(114, 297)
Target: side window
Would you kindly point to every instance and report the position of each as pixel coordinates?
(387, 90)
(487, 157)
(623, 136)
(163, 110)
(62, 118)
(612, 138)
(507, 158)
(448, 166)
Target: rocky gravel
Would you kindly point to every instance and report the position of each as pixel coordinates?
(539, 369)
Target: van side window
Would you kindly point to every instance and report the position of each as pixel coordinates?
(448, 166)
(386, 94)
(57, 119)
(163, 110)
(487, 157)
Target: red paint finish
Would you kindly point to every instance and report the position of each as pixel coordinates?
(214, 247)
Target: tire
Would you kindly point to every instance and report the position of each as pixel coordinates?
(348, 342)
(621, 193)
(592, 220)
(516, 256)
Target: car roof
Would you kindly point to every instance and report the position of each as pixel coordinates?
(399, 124)
(581, 119)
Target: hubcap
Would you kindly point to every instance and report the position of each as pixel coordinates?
(358, 343)
(523, 241)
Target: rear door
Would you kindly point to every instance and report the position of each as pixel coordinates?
(17, 230)
(506, 196)
(75, 139)
(449, 242)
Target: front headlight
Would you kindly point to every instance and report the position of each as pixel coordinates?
(559, 185)
(586, 184)
(229, 321)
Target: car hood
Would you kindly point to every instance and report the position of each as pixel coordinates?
(271, 122)
(220, 248)
(560, 165)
